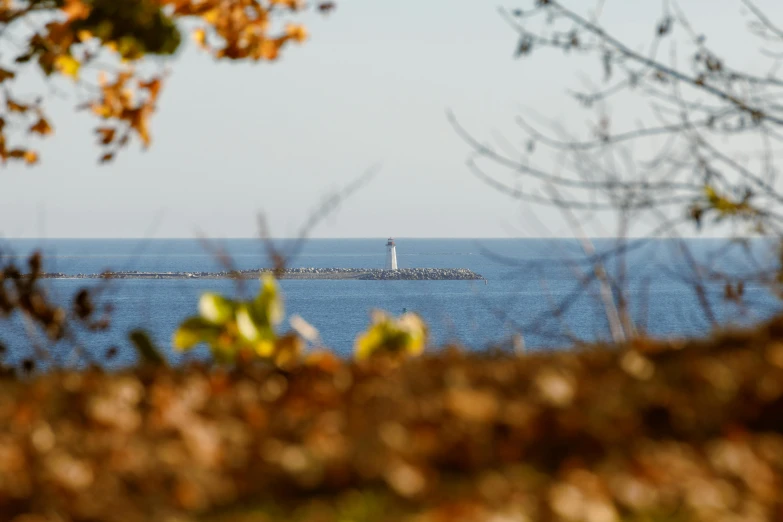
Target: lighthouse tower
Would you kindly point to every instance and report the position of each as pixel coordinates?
(391, 255)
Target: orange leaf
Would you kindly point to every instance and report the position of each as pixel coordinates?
(31, 157)
(153, 86)
(211, 16)
(17, 153)
(106, 134)
(16, 107)
(102, 110)
(41, 127)
(6, 75)
(296, 32)
(269, 49)
(107, 157)
(291, 4)
(140, 124)
(75, 9)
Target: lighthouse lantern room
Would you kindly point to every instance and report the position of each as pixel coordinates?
(391, 255)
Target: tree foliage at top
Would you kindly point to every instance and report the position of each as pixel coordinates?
(107, 41)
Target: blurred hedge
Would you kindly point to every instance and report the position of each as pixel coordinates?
(654, 431)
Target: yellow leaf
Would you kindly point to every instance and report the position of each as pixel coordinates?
(215, 308)
(193, 331)
(68, 65)
(84, 35)
(265, 348)
(200, 37)
(246, 325)
(211, 16)
(296, 32)
(102, 110)
(398, 337)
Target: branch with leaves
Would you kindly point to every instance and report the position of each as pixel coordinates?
(81, 40)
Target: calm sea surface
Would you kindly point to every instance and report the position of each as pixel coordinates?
(527, 281)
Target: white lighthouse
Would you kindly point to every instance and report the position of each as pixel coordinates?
(391, 255)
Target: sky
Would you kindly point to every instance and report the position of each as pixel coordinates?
(370, 87)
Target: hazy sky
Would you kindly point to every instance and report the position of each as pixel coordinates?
(371, 86)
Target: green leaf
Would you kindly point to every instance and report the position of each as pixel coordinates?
(146, 349)
(251, 327)
(267, 309)
(402, 337)
(193, 331)
(215, 308)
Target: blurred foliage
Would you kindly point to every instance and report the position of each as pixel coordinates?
(395, 337)
(246, 329)
(234, 328)
(22, 294)
(670, 431)
(79, 39)
(148, 352)
(723, 207)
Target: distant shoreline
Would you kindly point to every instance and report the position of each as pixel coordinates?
(364, 274)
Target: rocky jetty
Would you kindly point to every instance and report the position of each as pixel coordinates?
(365, 274)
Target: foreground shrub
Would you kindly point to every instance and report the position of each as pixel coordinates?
(678, 431)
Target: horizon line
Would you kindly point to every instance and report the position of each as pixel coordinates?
(364, 238)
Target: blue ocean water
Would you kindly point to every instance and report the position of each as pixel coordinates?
(534, 286)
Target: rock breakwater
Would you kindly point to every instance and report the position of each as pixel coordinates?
(365, 274)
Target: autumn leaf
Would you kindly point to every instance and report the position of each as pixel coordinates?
(200, 37)
(399, 337)
(211, 16)
(80, 30)
(31, 157)
(269, 49)
(296, 32)
(290, 4)
(68, 65)
(75, 9)
(41, 127)
(153, 87)
(139, 122)
(326, 7)
(106, 134)
(6, 75)
(13, 106)
(102, 110)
